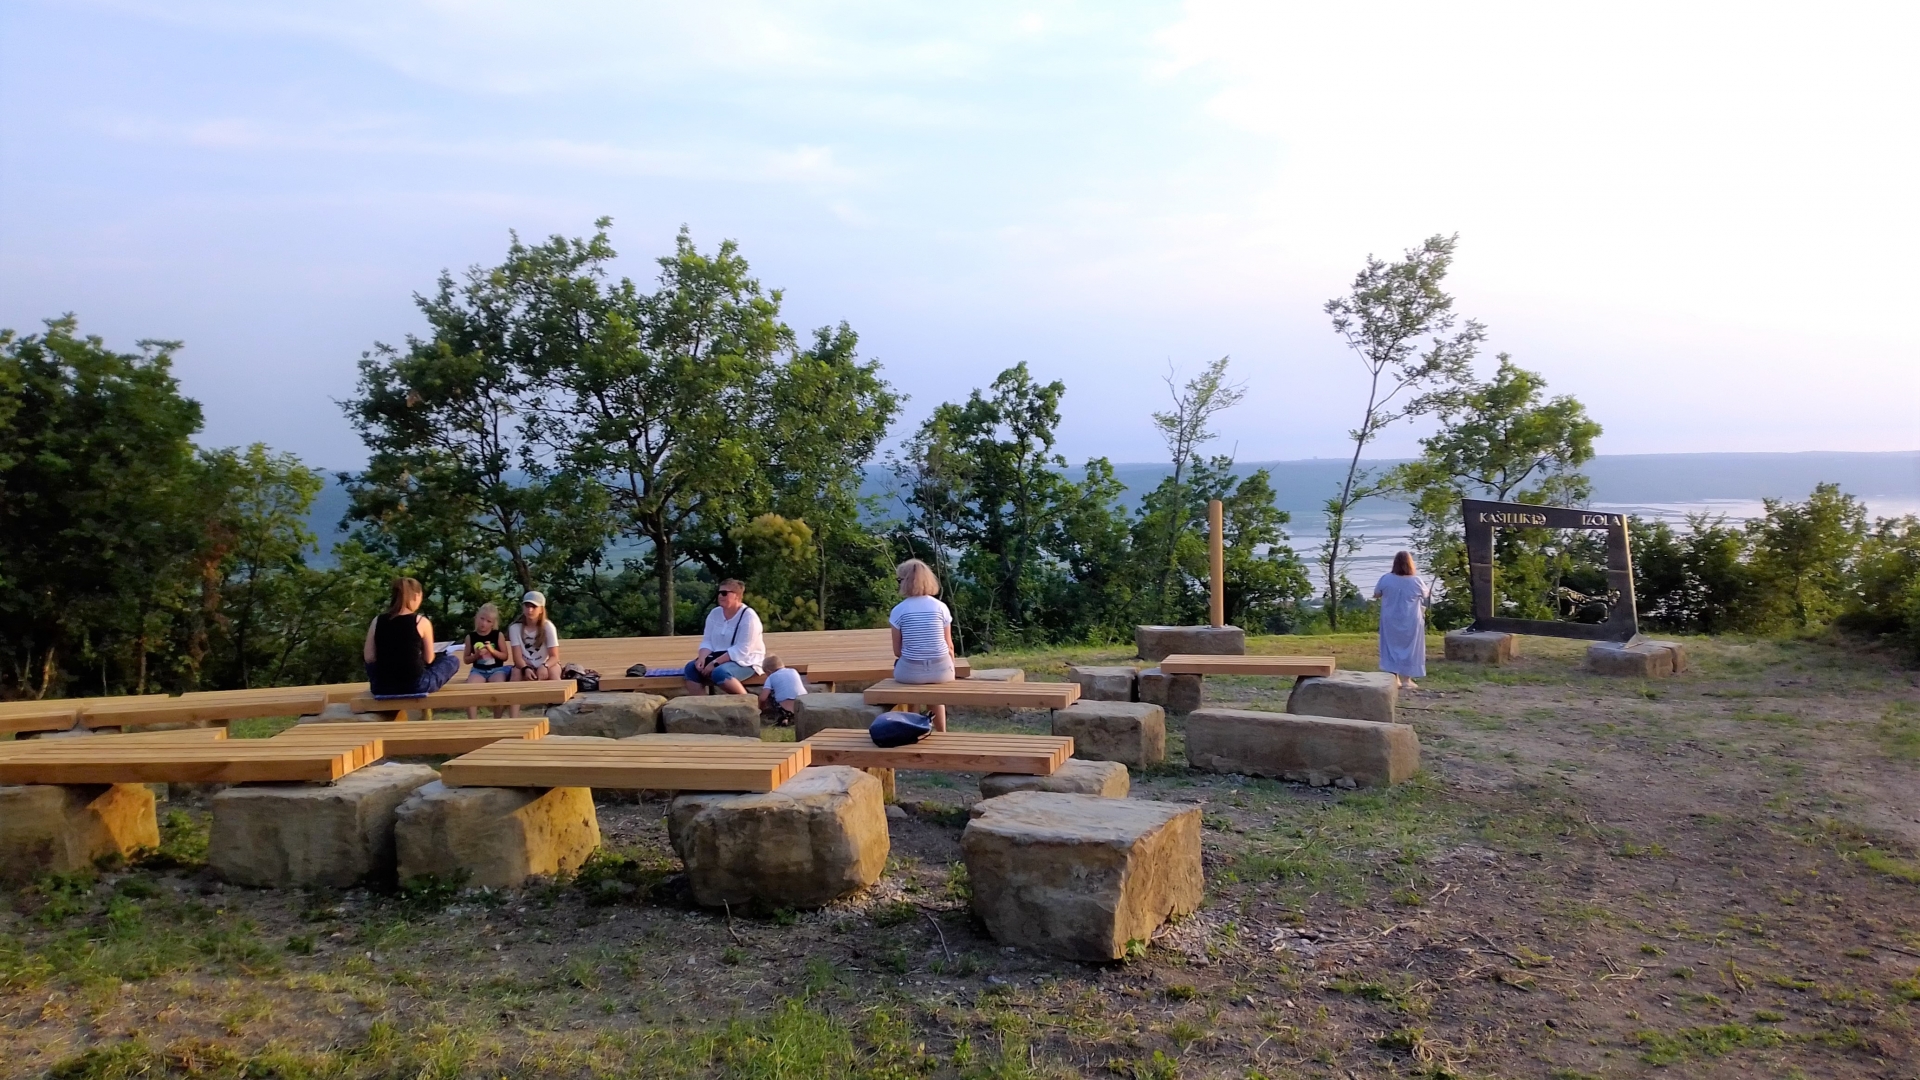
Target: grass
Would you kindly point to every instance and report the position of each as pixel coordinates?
(1711, 1041)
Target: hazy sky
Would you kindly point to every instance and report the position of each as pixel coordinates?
(1699, 218)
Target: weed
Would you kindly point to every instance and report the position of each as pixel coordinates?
(1181, 992)
(894, 913)
(732, 956)
(183, 843)
(300, 944)
(431, 892)
(1715, 1040)
(1650, 949)
(609, 877)
(1157, 1067)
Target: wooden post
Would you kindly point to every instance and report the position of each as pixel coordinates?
(1217, 557)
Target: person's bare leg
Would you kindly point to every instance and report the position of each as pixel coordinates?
(733, 686)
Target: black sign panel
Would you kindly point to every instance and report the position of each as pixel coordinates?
(1622, 623)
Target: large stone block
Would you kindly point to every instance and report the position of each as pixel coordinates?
(1102, 683)
(494, 838)
(1678, 650)
(610, 715)
(1156, 643)
(997, 714)
(818, 837)
(1080, 876)
(1178, 694)
(325, 835)
(1317, 750)
(54, 828)
(1482, 647)
(1644, 660)
(1107, 779)
(999, 674)
(715, 714)
(1130, 732)
(340, 712)
(1353, 695)
(815, 713)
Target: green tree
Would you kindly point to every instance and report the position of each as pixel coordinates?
(1184, 430)
(1698, 581)
(1886, 597)
(263, 538)
(1390, 308)
(1804, 554)
(1088, 536)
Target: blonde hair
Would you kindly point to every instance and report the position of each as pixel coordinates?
(916, 579)
(488, 610)
(1403, 564)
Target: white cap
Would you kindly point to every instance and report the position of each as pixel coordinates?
(534, 596)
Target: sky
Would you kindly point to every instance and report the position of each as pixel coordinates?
(1697, 218)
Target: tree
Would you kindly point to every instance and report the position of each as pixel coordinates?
(264, 539)
(1088, 536)
(1390, 308)
(1886, 596)
(1184, 430)
(1805, 552)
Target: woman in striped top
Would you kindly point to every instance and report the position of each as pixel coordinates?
(922, 633)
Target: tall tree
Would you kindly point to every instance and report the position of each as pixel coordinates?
(1384, 318)
(264, 541)
(1184, 430)
(1805, 551)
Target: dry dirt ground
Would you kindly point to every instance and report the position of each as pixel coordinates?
(1710, 875)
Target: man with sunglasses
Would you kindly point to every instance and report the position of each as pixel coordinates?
(731, 648)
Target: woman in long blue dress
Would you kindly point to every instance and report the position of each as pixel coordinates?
(1403, 621)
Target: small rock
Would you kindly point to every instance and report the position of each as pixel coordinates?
(894, 813)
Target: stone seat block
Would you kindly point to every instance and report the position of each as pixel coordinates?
(339, 712)
(311, 835)
(1156, 643)
(494, 838)
(814, 713)
(1107, 779)
(1678, 650)
(818, 837)
(1317, 750)
(1080, 876)
(1481, 647)
(57, 829)
(1644, 660)
(715, 714)
(608, 714)
(1103, 683)
(1352, 695)
(1130, 732)
(1178, 694)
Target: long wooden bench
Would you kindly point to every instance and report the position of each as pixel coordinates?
(470, 695)
(431, 737)
(211, 706)
(135, 759)
(1296, 666)
(1013, 695)
(945, 751)
(53, 714)
(659, 763)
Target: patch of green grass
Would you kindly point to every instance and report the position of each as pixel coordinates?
(183, 842)
(1711, 1041)
(610, 877)
(260, 727)
(894, 913)
(1899, 731)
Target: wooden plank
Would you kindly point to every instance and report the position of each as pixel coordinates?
(1018, 695)
(434, 737)
(474, 695)
(945, 751)
(136, 738)
(236, 761)
(55, 714)
(670, 767)
(208, 707)
(1297, 666)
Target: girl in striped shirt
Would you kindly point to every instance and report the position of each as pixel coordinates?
(922, 632)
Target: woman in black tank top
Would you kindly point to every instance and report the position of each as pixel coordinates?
(399, 648)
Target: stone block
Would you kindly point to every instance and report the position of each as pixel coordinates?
(715, 714)
(1352, 695)
(1079, 876)
(1643, 659)
(55, 828)
(999, 674)
(1317, 750)
(340, 712)
(998, 714)
(889, 784)
(494, 838)
(1102, 683)
(1179, 694)
(319, 835)
(818, 837)
(1156, 643)
(815, 713)
(1678, 650)
(608, 714)
(1482, 647)
(1107, 779)
(1130, 732)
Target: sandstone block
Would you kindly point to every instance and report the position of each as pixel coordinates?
(1107, 779)
(820, 836)
(1102, 683)
(340, 712)
(1482, 647)
(610, 715)
(325, 835)
(53, 828)
(1156, 643)
(889, 784)
(1643, 660)
(1353, 695)
(716, 714)
(1678, 650)
(998, 714)
(1317, 750)
(815, 713)
(1178, 694)
(1130, 732)
(999, 674)
(494, 838)
(1080, 876)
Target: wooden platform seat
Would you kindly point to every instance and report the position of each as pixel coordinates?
(143, 759)
(1296, 666)
(210, 706)
(470, 695)
(56, 714)
(654, 762)
(945, 751)
(825, 656)
(1016, 695)
(430, 737)
(655, 684)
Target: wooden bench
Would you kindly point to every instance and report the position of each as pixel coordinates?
(1013, 695)
(55, 714)
(945, 751)
(1297, 666)
(210, 706)
(142, 759)
(470, 695)
(429, 737)
(658, 763)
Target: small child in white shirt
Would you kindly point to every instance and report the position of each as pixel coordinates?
(777, 693)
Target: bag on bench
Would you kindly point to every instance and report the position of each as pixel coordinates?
(899, 729)
(587, 679)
